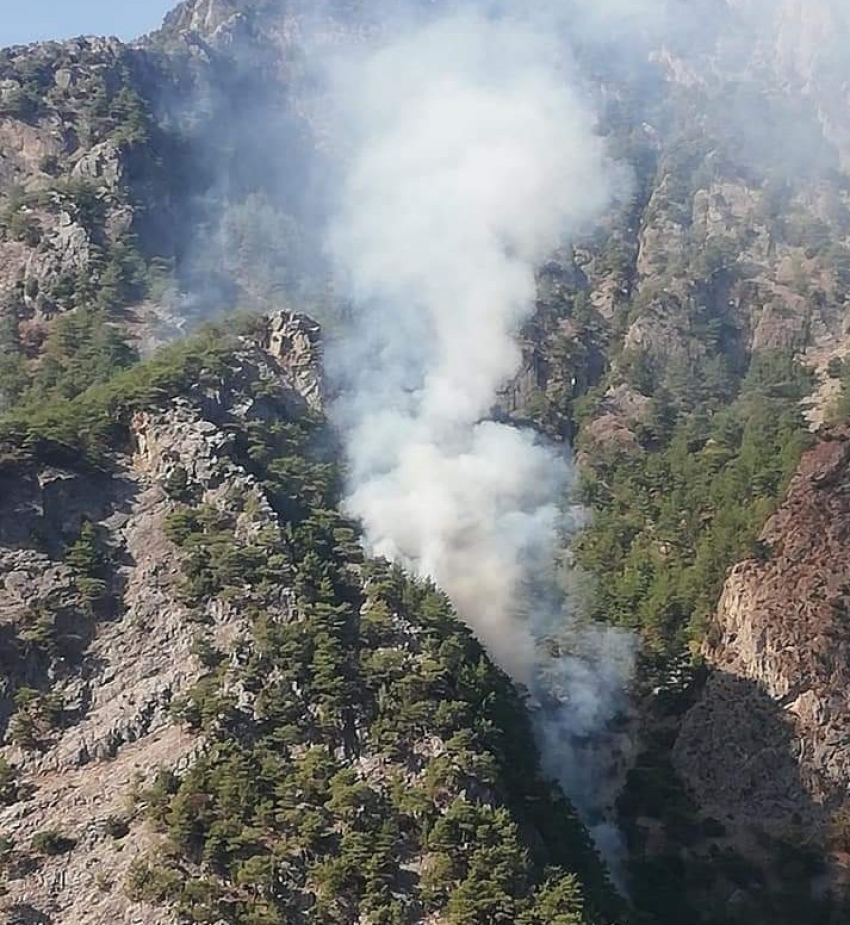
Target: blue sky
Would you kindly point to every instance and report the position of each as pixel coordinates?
(33, 20)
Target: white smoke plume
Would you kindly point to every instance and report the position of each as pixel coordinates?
(471, 156)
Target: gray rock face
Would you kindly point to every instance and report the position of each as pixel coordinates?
(103, 164)
(206, 17)
(116, 732)
(295, 342)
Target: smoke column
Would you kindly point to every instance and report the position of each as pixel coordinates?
(469, 158)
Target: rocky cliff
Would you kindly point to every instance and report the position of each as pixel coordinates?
(115, 648)
(778, 654)
(741, 796)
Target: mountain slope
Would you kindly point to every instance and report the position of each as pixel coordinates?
(688, 347)
(216, 708)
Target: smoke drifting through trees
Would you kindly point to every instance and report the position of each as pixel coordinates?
(471, 158)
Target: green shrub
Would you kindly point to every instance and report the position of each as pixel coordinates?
(149, 884)
(8, 782)
(24, 102)
(117, 827)
(37, 716)
(24, 227)
(178, 487)
(52, 843)
(835, 367)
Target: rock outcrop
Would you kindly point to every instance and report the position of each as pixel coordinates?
(767, 746)
(117, 669)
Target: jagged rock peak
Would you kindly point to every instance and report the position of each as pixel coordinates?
(205, 17)
(295, 342)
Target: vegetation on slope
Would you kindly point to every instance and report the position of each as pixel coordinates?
(272, 813)
(364, 760)
(94, 424)
(709, 430)
(670, 519)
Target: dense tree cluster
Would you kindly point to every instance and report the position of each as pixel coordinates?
(366, 761)
(671, 519)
